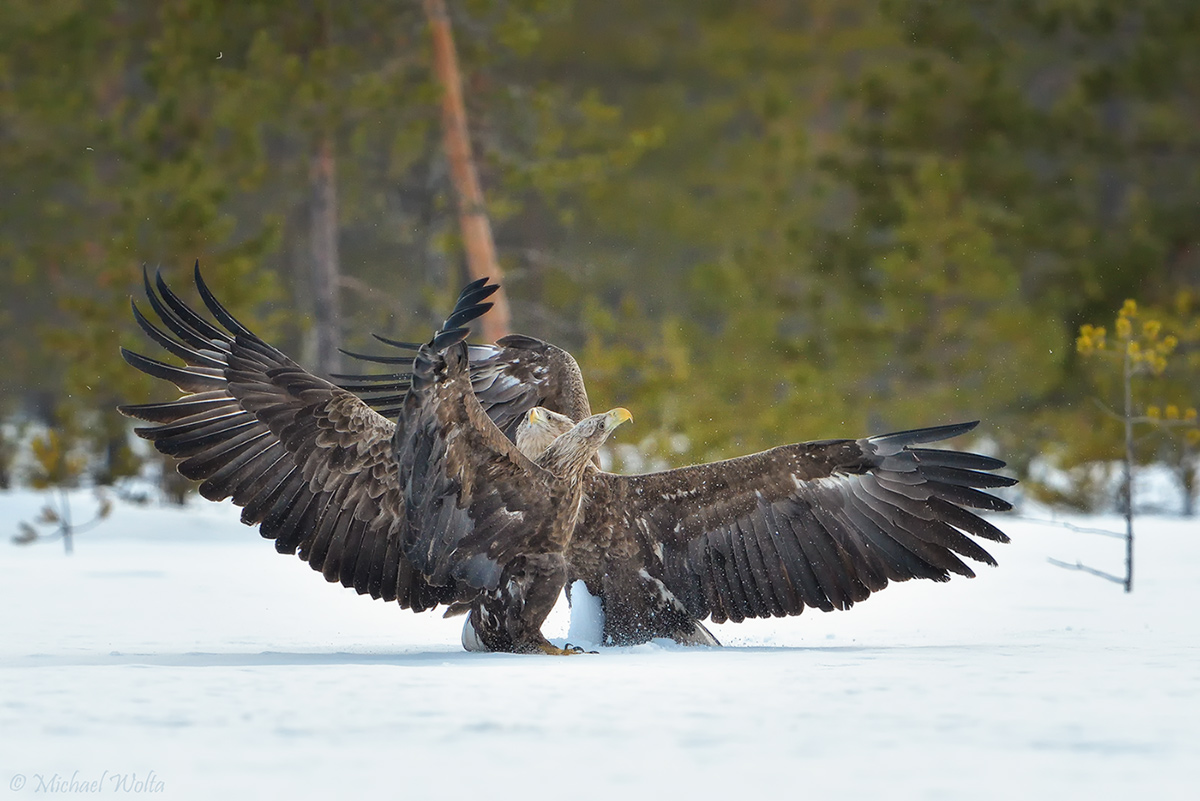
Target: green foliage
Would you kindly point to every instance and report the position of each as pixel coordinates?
(753, 222)
(161, 133)
(945, 325)
(58, 461)
(1071, 161)
(123, 149)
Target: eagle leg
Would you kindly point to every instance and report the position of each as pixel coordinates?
(510, 617)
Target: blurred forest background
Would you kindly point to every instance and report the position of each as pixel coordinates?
(752, 222)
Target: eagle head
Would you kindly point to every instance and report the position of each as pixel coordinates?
(540, 427)
(574, 448)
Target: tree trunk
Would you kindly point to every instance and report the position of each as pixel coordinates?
(64, 522)
(456, 140)
(325, 267)
(1127, 482)
(1189, 489)
(1188, 469)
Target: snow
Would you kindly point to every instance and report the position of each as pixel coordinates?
(587, 618)
(178, 643)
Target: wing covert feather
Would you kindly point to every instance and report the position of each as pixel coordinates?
(820, 524)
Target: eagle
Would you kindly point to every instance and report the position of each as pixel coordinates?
(467, 477)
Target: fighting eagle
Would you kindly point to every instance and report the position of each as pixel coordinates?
(485, 494)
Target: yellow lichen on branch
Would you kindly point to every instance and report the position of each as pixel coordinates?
(1147, 351)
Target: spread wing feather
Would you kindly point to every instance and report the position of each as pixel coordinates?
(821, 524)
(307, 461)
(509, 378)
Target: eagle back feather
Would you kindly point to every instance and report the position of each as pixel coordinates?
(475, 505)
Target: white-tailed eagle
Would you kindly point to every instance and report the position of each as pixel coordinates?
(467, 477)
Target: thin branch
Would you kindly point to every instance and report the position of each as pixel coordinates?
(1104, 408)
(1157, 421)
(1085, 569)
(91, 524)
(1070, 526)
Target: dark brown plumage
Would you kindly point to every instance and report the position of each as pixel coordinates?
(511, 377)
(820, 525)
(442, 507)
(308, 462)
(478, 512)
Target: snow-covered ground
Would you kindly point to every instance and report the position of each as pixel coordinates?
(177, 645)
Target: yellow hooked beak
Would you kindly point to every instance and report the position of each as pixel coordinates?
(536, 416)
(619, 415)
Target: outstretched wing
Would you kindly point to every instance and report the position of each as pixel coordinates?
(509, 378)
(307, 461)
(475, 504)
(821, 524)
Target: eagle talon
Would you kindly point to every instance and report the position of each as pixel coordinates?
(568, 650)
